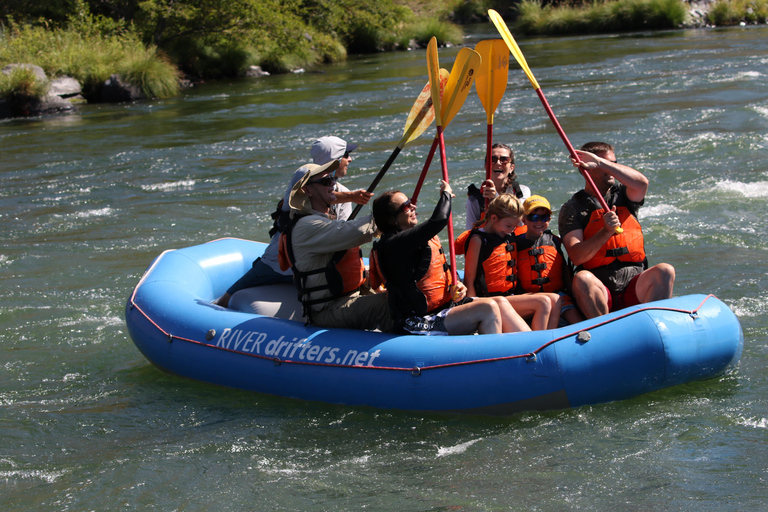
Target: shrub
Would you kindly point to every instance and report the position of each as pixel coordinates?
(608, 16)
(733, 12)
(21, 85)
(445, 32)
(90, 57)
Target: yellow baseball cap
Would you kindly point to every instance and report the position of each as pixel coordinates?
(534, 202)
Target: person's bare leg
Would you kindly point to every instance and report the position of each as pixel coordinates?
(590, 295)
(656, 283)
(481, 315)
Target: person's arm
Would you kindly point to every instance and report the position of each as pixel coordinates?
(361, 196)
(470, 264)
(321, 235)
(489, 190)
(412, 239)
(635, 181)
(580, 250)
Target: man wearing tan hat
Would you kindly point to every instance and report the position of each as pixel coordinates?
(266, 270)
(611, 270)
(326, 258)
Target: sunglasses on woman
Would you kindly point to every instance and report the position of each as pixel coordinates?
(538, 217)
(502, 159)
(405, 207)
(325, 181)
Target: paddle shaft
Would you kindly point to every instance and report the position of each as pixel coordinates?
(572, 151)
(444, 166)
(377, 179)
(489, 159)
(427, 163)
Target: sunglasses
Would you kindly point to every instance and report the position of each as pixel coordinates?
(405, 207)
(325, 181)
(537, 217)
(502, 159)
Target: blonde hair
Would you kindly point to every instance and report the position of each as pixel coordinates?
(503, 206)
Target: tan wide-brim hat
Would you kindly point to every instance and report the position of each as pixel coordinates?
(298, 199)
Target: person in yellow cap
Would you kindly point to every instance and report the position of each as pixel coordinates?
(541, 267)
(489, 265)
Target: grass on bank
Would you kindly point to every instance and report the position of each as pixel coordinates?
(90, 57)
(734, 12)
(599, 16)
(21, 85)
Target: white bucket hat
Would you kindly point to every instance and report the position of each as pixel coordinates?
(325, 149)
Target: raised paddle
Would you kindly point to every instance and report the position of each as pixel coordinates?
(507, 36)
(456, 91)
(419, 118)
(463, 82)
(490, 83)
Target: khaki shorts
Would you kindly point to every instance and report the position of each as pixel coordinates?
(355, 312)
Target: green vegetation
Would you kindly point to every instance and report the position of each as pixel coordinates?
(21, 85)
(90, 50)
(608, 16)
(150, 43)
(733, 12)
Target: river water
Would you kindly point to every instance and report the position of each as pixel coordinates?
(88, 200)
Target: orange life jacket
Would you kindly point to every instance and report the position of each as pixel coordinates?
(496, 272)
(437, 280)
(434, 284)
(344, 273)
(375, 276)
(462, 241)
(540, 267)
(627, 246)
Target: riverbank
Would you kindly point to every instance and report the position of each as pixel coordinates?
(113, 59)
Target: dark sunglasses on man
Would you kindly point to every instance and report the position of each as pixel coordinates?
(325, 181)
(502, 159)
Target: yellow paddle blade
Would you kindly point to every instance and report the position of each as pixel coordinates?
(505, 34)
(433, 69)
(491, 80)
(463, 73)
(422, 114)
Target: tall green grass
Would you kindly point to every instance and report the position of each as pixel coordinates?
(21, 85)
(445, 32)
(90, 57)
(600, 16)
(733, 12)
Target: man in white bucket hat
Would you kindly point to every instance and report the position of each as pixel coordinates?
(266, 270)
(329, 148)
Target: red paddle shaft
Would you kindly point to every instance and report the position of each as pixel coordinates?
(572, 151)
(489, 161)
(444, 165)
(427, 163)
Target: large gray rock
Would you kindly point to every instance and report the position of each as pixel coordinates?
(255, 72)
(115, 90)
(37, 70)
(65, 86)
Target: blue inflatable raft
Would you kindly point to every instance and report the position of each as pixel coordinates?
(172, 320)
